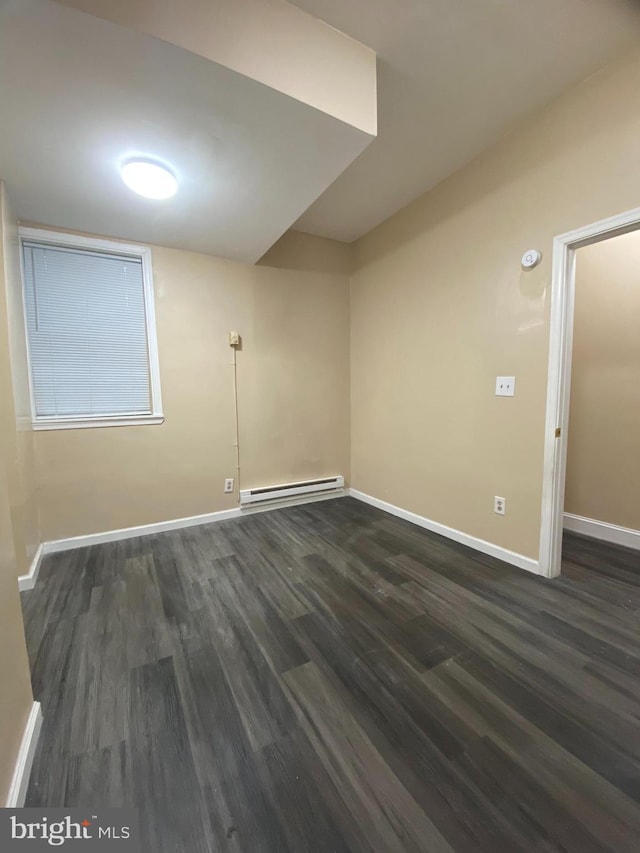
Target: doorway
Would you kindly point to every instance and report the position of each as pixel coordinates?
(563, 287)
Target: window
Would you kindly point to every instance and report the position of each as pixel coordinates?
(90, 330)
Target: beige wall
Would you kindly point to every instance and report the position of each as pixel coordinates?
(440, 306)
(292, 311)
(603, 458)
(15, 695)
(14, 393)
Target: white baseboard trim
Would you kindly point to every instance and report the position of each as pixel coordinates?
(57, 545)
(28, 581)
(602, 530)
(519, 560)
(24, 762)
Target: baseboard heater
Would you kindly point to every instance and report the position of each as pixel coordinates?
(249, 497)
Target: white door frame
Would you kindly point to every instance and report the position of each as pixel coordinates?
(559, 377)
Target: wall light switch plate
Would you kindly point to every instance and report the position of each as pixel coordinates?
(505, 386)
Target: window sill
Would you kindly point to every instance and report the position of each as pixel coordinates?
(89, 423)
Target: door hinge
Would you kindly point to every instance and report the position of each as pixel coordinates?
(558, 431)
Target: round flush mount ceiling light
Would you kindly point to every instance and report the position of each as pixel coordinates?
(149, 179)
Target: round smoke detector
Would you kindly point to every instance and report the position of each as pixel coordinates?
(531, 259)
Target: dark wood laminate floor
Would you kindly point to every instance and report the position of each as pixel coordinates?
(329, 678)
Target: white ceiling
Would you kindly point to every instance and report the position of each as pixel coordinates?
(453, 76)
(79, 94)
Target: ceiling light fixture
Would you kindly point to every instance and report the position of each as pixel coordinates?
(149, 179)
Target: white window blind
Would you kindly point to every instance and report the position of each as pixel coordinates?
(87, 333)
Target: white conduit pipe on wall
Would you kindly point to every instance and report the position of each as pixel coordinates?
(234, 364)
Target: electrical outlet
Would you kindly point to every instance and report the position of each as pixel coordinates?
(228, 486)
(499, 505)
(505, 386)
